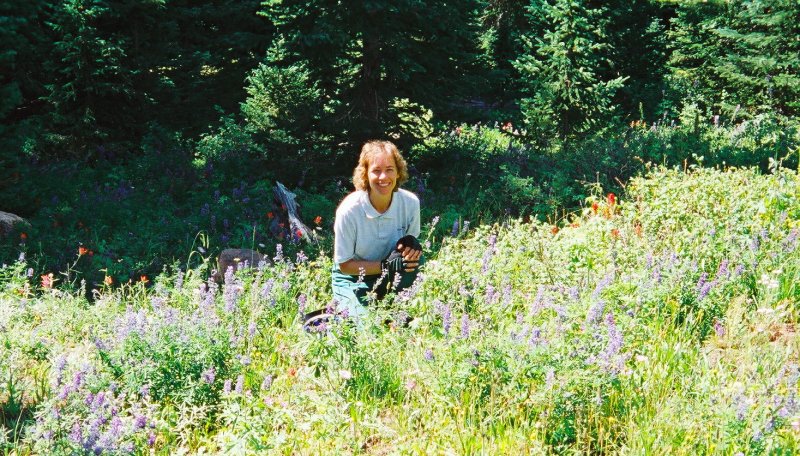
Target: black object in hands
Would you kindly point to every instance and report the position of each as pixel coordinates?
(409, 241)
(393, 264)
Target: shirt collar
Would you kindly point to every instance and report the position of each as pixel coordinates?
(370, 210)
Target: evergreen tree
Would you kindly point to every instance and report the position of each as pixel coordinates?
(24, 40)
(91, 94)
(637, 49)
(368, 56)
(116, 68)
(737, 59)
(503, 24)
(561, 72)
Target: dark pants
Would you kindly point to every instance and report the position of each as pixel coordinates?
(353, 296)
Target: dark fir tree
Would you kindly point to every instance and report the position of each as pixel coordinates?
(374, 61)
(737, 59)
(561, 72)
(637, 49)
(24, 39)
(117, 68)
(91, 93)
(503, 24)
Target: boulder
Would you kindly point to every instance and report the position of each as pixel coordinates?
(7, 222)
(237, 259)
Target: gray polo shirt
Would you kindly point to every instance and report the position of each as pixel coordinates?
(361, 233)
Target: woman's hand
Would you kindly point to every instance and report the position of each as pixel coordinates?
(410, 256)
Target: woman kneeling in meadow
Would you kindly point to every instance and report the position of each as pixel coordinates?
(376, 230)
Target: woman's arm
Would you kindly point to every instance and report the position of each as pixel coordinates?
(355, 267)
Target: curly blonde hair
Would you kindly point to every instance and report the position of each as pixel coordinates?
(369, 150)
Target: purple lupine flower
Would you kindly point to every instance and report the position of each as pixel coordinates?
(59, 365)
(613, 346)
(206, 297)
(94, 434)
(301, 303)
(65, 390)
(99, 401)
(151, 439)
(231, 289)
(755, 243)
(266, 289)
(251, 329)
(145, 390)
(179, 280)
(574, 293)
(447, 315)
(157, 302)
(507, 294)
(246, 361)
(429, 355)
(267, 382)
(770, 425)
(115, 428)
(741, 408)
(718, 328)
(239, 384)
(465, 228)
(278, 253)
(605, 282)
(434, 221)
(209, 375)
(536, 337)
(705, 290)
(538, 302)
(29, 273)
(790, 243)
(139, 422)
(704, 287)
(656, 276)
(739, 270)
(517, 337)
(77, 379)
(722, 270)
(465, 326)
(226, 387)
(595, 312)
(301, 257)
(76, 435)
(456, 226)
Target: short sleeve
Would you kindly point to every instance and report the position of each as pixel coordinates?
(344, 241)
(414, 222)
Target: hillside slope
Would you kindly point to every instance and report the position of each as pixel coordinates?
(660, 322)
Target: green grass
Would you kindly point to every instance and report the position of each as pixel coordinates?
(661, 323)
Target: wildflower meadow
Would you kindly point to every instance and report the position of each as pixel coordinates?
(658, 321)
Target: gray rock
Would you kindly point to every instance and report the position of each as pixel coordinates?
(7, 222)
(237, 259)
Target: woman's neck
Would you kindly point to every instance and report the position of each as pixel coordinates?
(379, 202)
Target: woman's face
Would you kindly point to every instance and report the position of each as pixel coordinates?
(382, 173)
